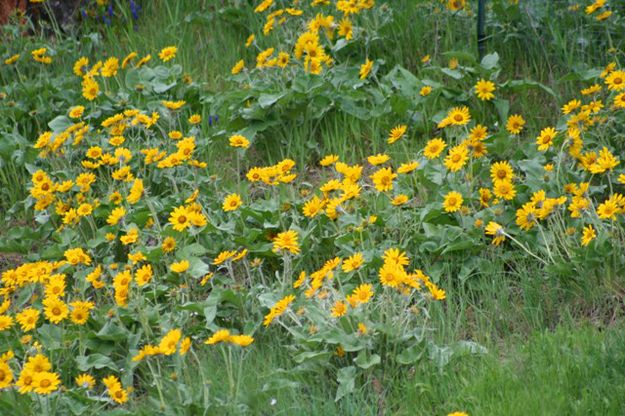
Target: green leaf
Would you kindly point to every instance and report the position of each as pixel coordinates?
(266, 100)
(347, 381)
(366, 361)
(280, 384)
(410, 355)
(490, 61)
(197, 268)
(97, 361)
(454, 73)
(311, 355)
(51, 336)
(132, 79)
(403, 80)
(59, 124)
(111, 332)
(503, 108)
(210, 310)
(459, 246)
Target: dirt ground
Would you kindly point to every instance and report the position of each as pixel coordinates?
(8, 6)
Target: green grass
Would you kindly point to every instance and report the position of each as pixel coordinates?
(553, 347)
(573, 370)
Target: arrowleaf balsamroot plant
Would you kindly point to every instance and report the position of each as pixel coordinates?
(165, 235)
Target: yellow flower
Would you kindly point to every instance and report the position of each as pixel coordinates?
(425, 91)
(168, 53)
(588, 235)
(131, 237)
(456, 158)
(12, 59)
(378, 159)
(283, 59)
(515, 124)
(110, 67)
(278, 309)
(407, 167)
(80, 311)
(363, 293)
(365, 68)
(239, 141)
(90, 88)
(169, 342)
(118, 394)
(180, 218)
(185, 345)
(241, 340)
(313, 207)
(619, 100)
(85, 381)
(28, 319)
(45, 382)
(6, 322)
(434, 148)
(346, 28)
(593, 89)
(136, 191)
(223, 335)
(457, 116)
(223, 257)
(329, 160)
(173, 105)
(453, 201)
(526, 216)
(608, 209)
(238, 67)
(504, 189)
(143, 275)
(484, 90)
(77, 256)
(353, 262)
(180, 266)
(616, 80)
(6, 375)
(339, 309)
(500, 171)
(605, 161)
(116, 215)
(128, 59)
(545, 139)
(495, 230)
(391, 274)
(286, 241)
(456, 5)
(232, 202)
(396, 133)
(169, 244)
(37, 364)
(249, 40)
(571, 106)
(395, 256)
(76, 111)
(25, 382)
(400, 199)
(55, 310)
(383, 179)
